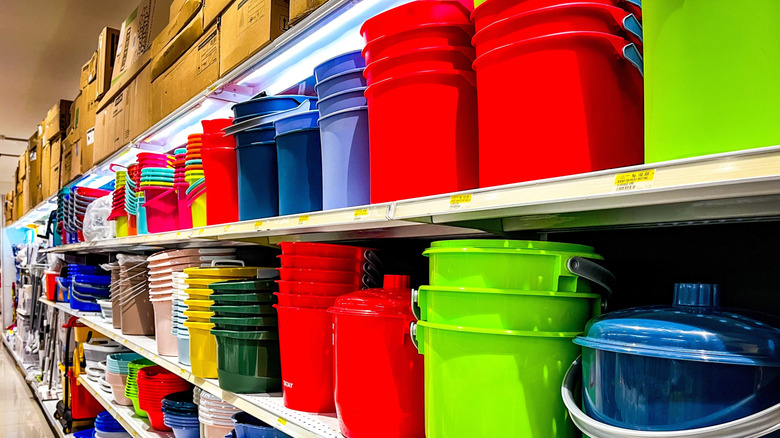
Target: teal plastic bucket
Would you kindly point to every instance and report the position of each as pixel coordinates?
(494, 383)
(711, 77)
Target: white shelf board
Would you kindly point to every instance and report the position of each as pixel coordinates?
(136, 426)
(65, 308)
(266, 407)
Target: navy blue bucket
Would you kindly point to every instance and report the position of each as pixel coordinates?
(266, 105)
(258, 181)
(300, 171)
(260, 134)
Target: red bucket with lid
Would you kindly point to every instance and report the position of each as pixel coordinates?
(437, 141)
(431, 58)
(569, 17)
(411, 15)
(424, 35)
(582, 108)
(493, 10)
(306, 352)
(385, 399)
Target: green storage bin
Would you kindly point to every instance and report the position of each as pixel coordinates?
(494, 383)
(244, 310)
(232, 287)
(269, 323)
(506, 309)
(248, 362)
(247, 298)
(711, 77)
(510, 264)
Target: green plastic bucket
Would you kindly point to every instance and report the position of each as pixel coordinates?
(243, 310)
(711, 77)
(248, 361)
(494, 383)
(246, 323)
(131, 385)
(512, 264)
(506, 309)
(233, 287)
(245, 298)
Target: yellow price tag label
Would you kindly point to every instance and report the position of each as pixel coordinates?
(460, 199)
(258, 224)
(201, 231)
(302, 219)
(361, 212)
(227, 227)
(282, 421)
(641, 179)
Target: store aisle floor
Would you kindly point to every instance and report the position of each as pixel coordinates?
(20, 416)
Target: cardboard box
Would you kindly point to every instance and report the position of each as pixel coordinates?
(106, 56)
(178, 45)
(213, 9)
(88, 71)
(118, 125)
(33, 174)
(299, 9)
(70, 165)
(140, 117)
(191, 74)
(135, 44)
(101, 141)
(45, 168)
(57, 120)
(247, 26)
(178, 20)
(77, 108)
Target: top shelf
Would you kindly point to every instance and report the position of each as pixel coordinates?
(736, 186)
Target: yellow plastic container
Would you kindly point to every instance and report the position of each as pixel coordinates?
(198, 208)
(203, 349)
(82, 333)
(199, 293)
(203, 283)
(198, 315)
(199, 305)
(121, 226)
(223, 271)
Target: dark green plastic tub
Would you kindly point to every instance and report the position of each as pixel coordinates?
(248, 361)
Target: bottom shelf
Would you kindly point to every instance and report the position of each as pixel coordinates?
(134, 425)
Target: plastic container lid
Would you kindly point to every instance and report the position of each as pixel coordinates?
(512, 244)
(390, 301)
(694, 328)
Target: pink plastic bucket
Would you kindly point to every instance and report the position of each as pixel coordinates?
(162, 209)
(167, 343)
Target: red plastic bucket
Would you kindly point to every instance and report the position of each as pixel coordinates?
(306, 352)
(571, 17)
(51, 284)
(221, 172)
(581, 109)
(212, 126)
(318, 276)
(413, 14)
(437, 141)
(431, 58)
(162, 209)
(305, 301)
(312, 288)
(493, 10)
(83, 405)
(426, 35)
(185, 214)
(354, 265)
(311, 249)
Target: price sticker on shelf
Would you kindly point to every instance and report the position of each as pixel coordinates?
(642, 179)
(460, 201)
(360, 213)
(227, 228)
(200, 231)
(302, 219)
(258, 224)
(282, 421)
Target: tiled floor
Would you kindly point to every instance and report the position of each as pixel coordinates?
(20, 414)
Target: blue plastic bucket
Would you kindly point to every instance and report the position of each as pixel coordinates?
(343, 100)
(265, 132)
(300, 171)
(265, 105)
(305, 120)
(341, 82)
(339, 64)
(346, 176)
(247, 426)
(258, 180)
(141, 212)
(183, 342)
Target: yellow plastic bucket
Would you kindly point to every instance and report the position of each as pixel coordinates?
(203, 349)
(198, 315)
(199, 305)
(121, 226)
(198, 208)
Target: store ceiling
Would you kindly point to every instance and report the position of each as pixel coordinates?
(43, 44)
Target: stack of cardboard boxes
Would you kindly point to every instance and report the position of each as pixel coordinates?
(166, 52)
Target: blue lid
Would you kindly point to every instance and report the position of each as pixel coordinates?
(694, 328)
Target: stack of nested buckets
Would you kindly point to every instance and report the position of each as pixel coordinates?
(419, 58)
(343, 122)
(270, 184)
(312, 277)
(131, 383)
(218, 156)
(61, 235)
(132, 192)
(162, 266)
(196, 182)
(113, 290)
(76, 207)
(177, 321)
(496, 329)
(216, 416)
(578, 67)
(247, 343)
(203, 344)
(299, 157)
(181, 414)
(116, 375)
(383, 399)
(118, 212)
(161, 205)
(137, 312)
(154, 383)
(88, 284)
(180, 185)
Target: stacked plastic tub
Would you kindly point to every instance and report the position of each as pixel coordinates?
(299, 157)
(203, 344)
(137, 312)
(180, 185)
(114, 288)
(256, 152)
(497, 323)
(132, 192)
(371, 327)
(574, 63)
(154, 383)
(116, 375)
(177, 321)
(247, 426)
(76, 202)
(313, 275)
(180, 414)
(195, 179)
(419, 59)
(215, 415)
(218, 154)
(343, 131)
(106, 426)
(131, 385)
(248, 343)
(88, 284)
(118, 211)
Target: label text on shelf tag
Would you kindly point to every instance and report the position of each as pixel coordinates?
(282, 421)
(258, 224)
(460, 201)
(361, 213)
(302, 219)
(642, 179)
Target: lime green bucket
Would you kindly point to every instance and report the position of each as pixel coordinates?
(514, 264)
(505, 309)
(494, 383)
(711, 77)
